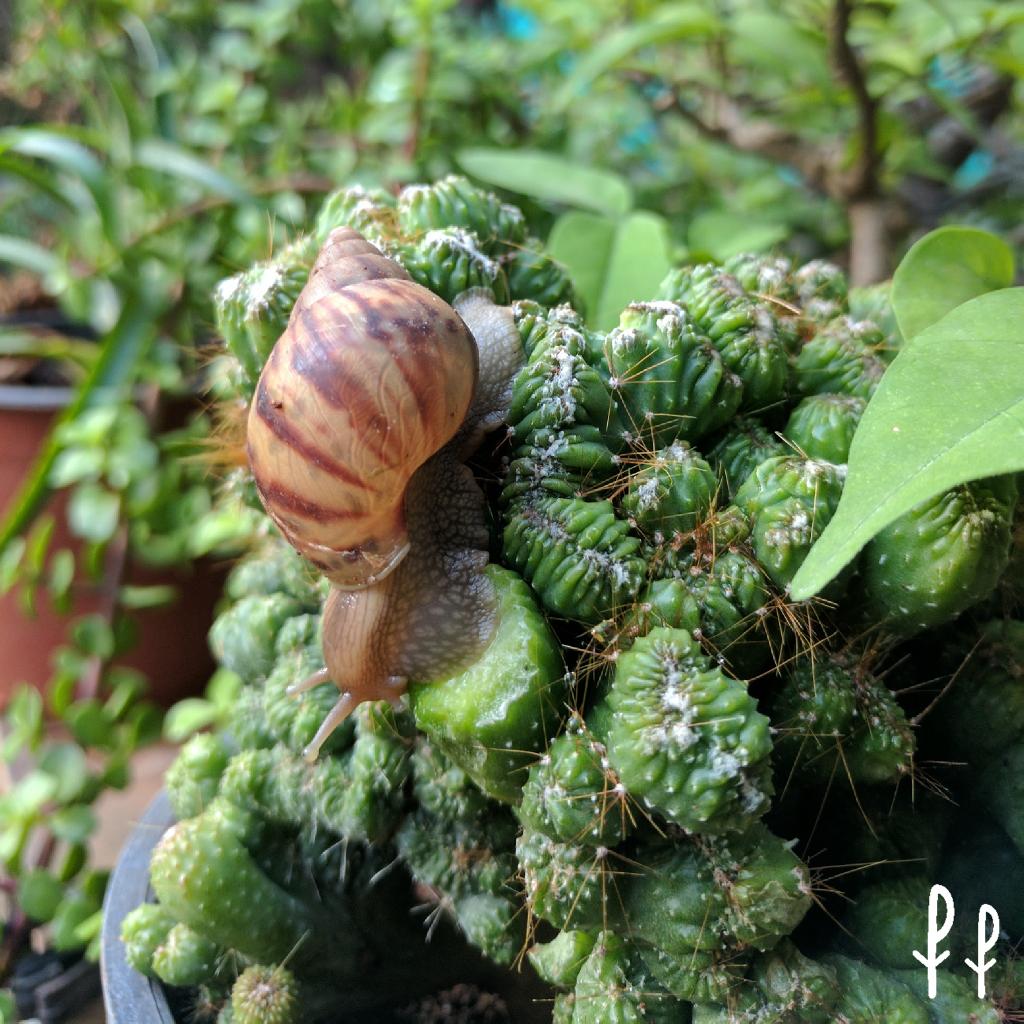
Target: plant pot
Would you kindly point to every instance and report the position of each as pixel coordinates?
(131, 998)
(171, 648)
(50, 988)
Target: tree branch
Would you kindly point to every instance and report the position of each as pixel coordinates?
(864, 183)
(734, 127)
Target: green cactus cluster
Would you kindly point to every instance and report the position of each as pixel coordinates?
(663, 782)
(835, 720)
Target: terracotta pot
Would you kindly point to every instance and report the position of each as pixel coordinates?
(171, 647)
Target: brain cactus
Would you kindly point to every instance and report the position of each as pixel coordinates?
(660, 782)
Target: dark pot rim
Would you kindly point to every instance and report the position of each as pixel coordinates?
(128, 996)
(35, 397)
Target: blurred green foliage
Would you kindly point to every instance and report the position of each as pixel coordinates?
(735, 120)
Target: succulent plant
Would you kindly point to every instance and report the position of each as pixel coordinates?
(941, 557)
(631, 777)
(264, 995)
(822, 426)
(686, 739)
(835, 720)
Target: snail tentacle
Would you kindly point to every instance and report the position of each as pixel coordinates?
(318, 678)
(344, 706)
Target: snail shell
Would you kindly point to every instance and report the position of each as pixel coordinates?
(367, 405)
(373, 375)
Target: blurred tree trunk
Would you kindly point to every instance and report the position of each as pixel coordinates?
(6, 29)
(869, 241)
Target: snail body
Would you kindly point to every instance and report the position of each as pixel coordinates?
(356, 434)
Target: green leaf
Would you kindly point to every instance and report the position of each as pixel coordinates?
(39, 894)
(28, 255)
(90, 723)
(949, 409)
(78, 463)
(31, 794)
(223, 688)
(117, 772)
(92, 635)
(13, 840)
(23, 721)
(93, 885)
(944, 269)
(73, 824)
(219, 528)
(90, 929)
(166, 157)
(93, 512)
(66, 764)
(62, 575)
(127, 687)
(143, 725)
(74, 911)
(155, 596)
(612, 263)
(39, 543)
(187, 717)
(72, 158)
(72, 861)
(47, 346)
(43, 179)
(666, 24)
(67, 154)
(718, 234)
(61, 691)
(549, 178)
(10, 562)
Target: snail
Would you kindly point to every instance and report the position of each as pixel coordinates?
(364, 412)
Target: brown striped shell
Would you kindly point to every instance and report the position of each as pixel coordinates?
(373, 375)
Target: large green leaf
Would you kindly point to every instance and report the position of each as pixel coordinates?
(669, 22)
(612, 262)
(549, 178)
(944, 269)
(950, 408)
(719, 234)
